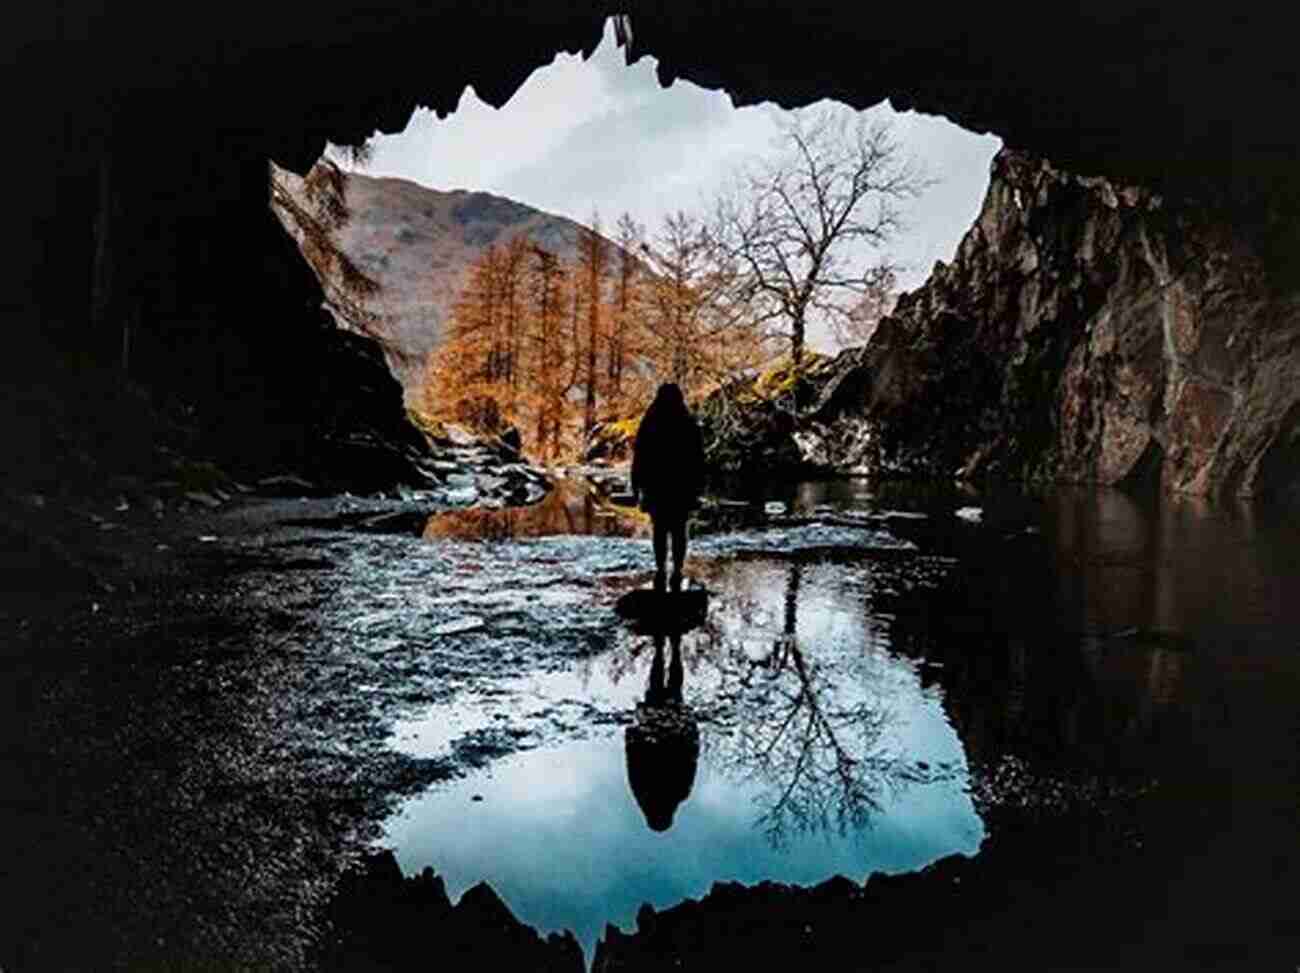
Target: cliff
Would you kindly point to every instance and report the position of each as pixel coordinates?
(1085, 331)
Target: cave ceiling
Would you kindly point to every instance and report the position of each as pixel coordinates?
(1178, 96)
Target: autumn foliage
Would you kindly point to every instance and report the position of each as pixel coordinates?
(552, 347)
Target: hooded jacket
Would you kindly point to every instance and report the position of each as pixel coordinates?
(668, 456)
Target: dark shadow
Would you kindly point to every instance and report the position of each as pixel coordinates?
(661, 613)
(663, 743)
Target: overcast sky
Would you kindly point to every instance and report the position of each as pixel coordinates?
(600, 135)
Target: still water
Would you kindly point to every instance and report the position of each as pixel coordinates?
(781, 741)
(872, 707)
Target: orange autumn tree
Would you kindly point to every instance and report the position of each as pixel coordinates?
(553, 347)
(549, 378)
(474, 362)
(508, 356)
(593, 261)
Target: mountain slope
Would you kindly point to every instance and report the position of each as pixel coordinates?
(417, 244)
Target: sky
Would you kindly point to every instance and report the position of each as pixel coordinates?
(598, 136)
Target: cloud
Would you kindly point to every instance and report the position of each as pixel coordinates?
(601, 135)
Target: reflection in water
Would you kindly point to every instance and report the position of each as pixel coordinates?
(1080, 659)
(663, 744)
(822, 753)
(570, 507)
(779, 741)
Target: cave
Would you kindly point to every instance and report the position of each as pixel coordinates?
(147, 249)
(161, 324)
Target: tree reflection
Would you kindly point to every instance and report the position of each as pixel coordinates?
(568, 508)
(812, 732)
(801, 713)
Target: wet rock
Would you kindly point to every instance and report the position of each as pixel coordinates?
(456, 625)
(206, 499)
(611, 441)
(286, 486)
(753, 425)
(461, 497)
(458, 435)
(512, 440)
(383, 920)
(408, 522)
(842, 446)
(482, 927)
(664, 612)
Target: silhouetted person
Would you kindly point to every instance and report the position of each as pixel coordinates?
(668, 474)
(663, 744)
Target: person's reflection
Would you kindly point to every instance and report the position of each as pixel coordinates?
(663, 744)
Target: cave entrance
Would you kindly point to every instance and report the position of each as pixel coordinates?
(540, 267)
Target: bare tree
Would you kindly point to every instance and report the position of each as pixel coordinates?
(876, 301)
(698, 335)
(791, 222)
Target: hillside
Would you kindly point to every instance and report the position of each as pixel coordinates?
(417, 244)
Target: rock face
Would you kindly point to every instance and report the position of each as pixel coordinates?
(1087, 332)
(385, 921)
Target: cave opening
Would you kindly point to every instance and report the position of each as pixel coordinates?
(234, 668)
(425, 238)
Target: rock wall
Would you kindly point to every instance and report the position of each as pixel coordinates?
(1085, 331)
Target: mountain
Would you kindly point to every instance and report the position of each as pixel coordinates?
(417, 244)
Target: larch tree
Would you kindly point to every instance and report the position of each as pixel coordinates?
(548, 305)
(697, 334)
(514, 262)
(465, 372)
(625, 319)
(592, 267)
